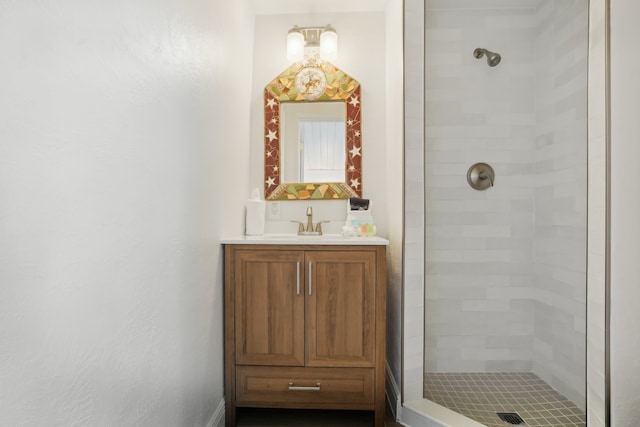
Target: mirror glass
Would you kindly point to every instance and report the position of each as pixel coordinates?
(312, 134)
(313, 145)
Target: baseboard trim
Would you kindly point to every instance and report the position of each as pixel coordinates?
(217, 419)
(392, 391)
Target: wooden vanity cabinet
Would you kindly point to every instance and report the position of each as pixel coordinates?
(305, 327)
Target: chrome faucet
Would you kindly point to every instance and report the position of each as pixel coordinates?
(309, 230)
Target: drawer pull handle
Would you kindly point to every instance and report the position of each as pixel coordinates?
(310, 278)
(293, 387)
(298, 278)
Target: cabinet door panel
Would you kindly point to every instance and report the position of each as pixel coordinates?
(269, 310)
(340, 310)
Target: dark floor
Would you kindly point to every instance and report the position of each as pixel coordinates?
(255, 417)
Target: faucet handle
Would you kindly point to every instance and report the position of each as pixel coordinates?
(300, 226)
(319, 227)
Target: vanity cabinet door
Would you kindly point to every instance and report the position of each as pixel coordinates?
(340, 308)
(269, 308)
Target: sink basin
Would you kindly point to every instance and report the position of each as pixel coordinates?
(312, 236)
(284, 236)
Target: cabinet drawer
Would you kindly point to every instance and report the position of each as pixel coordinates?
(304, 385)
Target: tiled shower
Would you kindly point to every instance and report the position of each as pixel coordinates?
(505, 281)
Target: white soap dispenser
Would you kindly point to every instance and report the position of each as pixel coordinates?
(254, 224)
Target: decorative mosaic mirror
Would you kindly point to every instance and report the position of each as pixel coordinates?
(312, 134)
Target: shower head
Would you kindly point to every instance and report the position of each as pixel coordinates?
(493, 59)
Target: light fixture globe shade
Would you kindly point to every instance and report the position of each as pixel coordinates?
(329, 44)
(295, 45)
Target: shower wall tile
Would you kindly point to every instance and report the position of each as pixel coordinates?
(505, 273)
(560, 197)
(508, 366)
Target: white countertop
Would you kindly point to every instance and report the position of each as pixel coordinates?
(294, 239)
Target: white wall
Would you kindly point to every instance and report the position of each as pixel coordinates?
(121, 121)
(625, 204)
(361, 54)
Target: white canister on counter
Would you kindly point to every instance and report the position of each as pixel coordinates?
(254, 221)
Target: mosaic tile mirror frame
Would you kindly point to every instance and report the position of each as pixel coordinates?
(338, 87)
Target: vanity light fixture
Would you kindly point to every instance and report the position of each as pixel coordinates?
(295, 45)
(301, 38)
(329, 43)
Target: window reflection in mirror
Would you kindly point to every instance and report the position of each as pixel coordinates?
(313, 141)
(322, 151)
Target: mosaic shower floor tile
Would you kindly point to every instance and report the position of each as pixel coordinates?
(480, 396)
